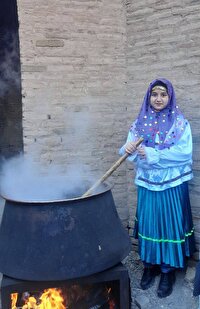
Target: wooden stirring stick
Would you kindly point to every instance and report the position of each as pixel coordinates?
(110, 171)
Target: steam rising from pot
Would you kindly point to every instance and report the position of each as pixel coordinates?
(22, 179)
(28, 177)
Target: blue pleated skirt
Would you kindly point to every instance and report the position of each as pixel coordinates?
(164, 226)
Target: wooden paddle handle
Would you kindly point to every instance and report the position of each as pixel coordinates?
(111, 170)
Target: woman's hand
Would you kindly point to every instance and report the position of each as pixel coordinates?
(130, 147)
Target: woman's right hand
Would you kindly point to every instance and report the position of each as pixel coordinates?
(130, 147)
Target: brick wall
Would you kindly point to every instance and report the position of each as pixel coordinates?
(74, 85)
(163, 41)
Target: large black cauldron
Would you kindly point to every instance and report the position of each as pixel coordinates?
(63, 239)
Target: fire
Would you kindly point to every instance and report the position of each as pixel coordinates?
(50, 299)
(31, 304)
(74, 297)
(14, 300)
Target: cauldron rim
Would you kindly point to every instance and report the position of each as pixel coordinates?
(107, 187)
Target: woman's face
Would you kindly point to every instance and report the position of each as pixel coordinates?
(159, 99)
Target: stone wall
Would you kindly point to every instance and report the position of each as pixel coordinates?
(74, 85)
(163, 41)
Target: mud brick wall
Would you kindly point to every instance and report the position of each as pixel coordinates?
(163, 41)
(74, 85)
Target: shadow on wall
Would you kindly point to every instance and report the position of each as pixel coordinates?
(11, 140)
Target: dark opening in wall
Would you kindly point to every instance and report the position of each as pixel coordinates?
(11, 140)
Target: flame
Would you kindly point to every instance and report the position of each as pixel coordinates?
(31, 303)
(14, 300)
(50, 299)
(112, 304)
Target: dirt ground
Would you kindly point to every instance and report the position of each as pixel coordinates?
(181, 297)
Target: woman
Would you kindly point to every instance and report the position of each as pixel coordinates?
(163, 223)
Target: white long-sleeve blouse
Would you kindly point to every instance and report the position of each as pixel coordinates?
(166, 168)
